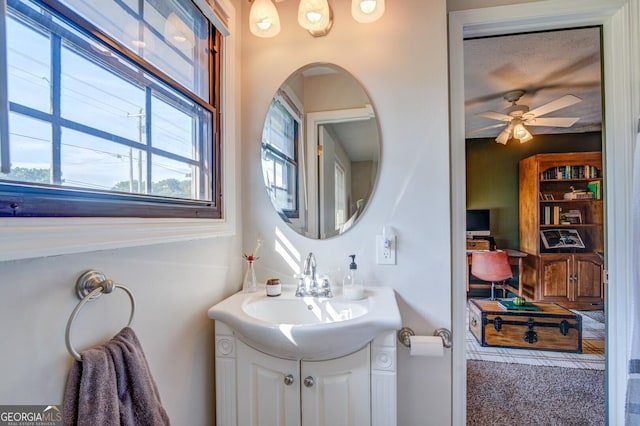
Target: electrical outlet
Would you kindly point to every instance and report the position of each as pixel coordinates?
(386, 255)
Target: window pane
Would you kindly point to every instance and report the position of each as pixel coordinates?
(29, 63)
(280, 129)
(173, 179)
(173, 130)
(30, 150)
(93, 162)
(171, 35)
(280, 180)
(97, 97)
(85, 116)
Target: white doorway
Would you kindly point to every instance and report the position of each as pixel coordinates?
(620, 117)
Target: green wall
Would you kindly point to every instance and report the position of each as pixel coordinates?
(492, 176)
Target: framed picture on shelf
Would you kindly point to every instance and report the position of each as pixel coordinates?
(572, 217)
(561, 238)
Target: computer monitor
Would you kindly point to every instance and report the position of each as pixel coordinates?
(478, 222)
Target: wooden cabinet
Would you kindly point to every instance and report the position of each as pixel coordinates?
(574, 280)
(561, 228)
(278, 392)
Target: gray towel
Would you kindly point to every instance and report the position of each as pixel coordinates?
(113, 386)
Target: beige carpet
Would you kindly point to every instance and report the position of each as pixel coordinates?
(592, 356)
(534, 396)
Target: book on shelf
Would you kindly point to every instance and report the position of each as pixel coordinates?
(570, 172)
(556, 215)
(572, 217)
(547, 215)
(561, 238)
(579, 195)
(595, 188)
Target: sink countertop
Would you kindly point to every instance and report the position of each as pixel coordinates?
(296, 339)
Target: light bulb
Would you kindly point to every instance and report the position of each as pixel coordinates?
(526, 137)
(366, 11)
(315, 16)
(264, 20)
(368, 6)
(520, 132)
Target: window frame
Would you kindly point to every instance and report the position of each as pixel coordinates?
(57, 201)
(24, 238)
(285, 160)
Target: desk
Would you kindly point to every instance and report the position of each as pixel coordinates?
(515, 259)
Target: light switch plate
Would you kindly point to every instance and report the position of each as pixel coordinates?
(385, 256)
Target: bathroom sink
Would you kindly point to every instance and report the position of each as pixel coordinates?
(308, 327)
(303, 310)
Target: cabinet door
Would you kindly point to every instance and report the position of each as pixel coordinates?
(337, 392)
(266, 394)
(588, 278)
(555, 274)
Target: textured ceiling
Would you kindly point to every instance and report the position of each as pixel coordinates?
(546, 65)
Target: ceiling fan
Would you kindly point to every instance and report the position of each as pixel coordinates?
(516, 116)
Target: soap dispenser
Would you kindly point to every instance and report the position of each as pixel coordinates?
(352, 287)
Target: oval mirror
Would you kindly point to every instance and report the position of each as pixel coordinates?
(320, 150)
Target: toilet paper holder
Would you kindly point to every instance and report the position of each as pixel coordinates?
(405, 332)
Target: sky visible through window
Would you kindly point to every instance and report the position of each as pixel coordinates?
(102, 117)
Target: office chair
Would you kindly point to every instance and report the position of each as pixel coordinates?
(491, 266)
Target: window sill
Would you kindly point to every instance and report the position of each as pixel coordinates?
(23, 238)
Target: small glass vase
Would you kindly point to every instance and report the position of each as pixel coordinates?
(249, 284)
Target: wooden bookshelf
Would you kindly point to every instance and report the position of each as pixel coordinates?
(556, 196)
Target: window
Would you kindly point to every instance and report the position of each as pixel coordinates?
(280, 156)
(113, 110)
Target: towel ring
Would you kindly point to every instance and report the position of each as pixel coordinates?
(91, 285)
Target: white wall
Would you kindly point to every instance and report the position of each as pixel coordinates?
(401, 61)
(174, 285)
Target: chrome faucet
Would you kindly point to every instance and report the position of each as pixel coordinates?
(308, 283)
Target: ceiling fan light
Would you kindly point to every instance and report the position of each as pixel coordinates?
(264, 20)
(365, 11)
(526, 138)
(521, 132)
(504, 137)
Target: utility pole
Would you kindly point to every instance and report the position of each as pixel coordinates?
(139, 116)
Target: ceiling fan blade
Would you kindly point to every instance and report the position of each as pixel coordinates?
(481, 129)
(552, 121)
(563, 102)
(494, 115)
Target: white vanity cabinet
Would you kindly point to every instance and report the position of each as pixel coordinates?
(257, 389)
(275, 391)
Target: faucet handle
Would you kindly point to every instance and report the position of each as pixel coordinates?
(325, 282)
(325, 288)
(300, 289)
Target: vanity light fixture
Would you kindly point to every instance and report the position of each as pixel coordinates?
(366, 11)
(264, 20)
(315, 16)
